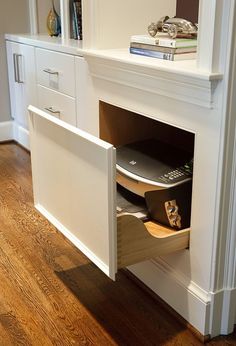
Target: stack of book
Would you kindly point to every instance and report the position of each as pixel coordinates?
(76, 19)
(163, 47)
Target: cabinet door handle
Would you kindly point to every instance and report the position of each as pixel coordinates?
(19, 80)
(51, 110)
(15, 67)
(49, 71)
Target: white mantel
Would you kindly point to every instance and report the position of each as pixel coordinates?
(180, 80)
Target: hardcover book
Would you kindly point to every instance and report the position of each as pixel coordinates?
(163, 49)
(162, 55)
(164, 41)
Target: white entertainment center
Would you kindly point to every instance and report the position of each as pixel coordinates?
(99, 77)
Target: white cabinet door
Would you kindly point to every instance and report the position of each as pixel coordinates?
(74, 186)
(22, 82)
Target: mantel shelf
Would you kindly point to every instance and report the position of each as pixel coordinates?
(181, 80)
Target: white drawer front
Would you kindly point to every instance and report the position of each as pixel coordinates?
(57, 104)
(56, 71)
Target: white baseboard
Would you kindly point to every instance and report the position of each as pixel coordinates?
(21, 135)
(6, 131)
(10, 130)
(190, 301)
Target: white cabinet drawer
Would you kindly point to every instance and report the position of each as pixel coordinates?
(75, 188)
(61, 106)
(56, 71)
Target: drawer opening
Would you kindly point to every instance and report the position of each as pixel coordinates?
(148, 230)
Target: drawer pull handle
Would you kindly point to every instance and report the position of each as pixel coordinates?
(51, 110)
(47, 70)
(16, 61)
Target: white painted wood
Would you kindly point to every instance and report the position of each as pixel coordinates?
(136, 92)
(65, 20)
(183, 296)
(64, 105)
(21, 135)
(33, 17)
(22, 92)
(51, 43)
(179, 83)
(225, 271)
(73, 176)
(62, 65)
(6, 131)
(86, 98)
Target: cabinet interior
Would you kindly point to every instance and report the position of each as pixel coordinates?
(119, 126)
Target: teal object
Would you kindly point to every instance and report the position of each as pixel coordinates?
(53, 22)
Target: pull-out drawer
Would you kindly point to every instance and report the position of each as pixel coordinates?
(61, 106)
(75, 188)
(56, 71)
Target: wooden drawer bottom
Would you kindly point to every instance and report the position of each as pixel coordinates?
(138, 241)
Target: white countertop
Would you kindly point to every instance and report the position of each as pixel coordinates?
(186, 68)
(74, 47)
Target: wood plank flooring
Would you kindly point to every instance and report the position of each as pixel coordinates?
(51, 294)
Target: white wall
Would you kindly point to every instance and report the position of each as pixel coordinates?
(14, 18)
(113, 26)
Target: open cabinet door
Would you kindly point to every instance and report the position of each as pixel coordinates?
(74, 186)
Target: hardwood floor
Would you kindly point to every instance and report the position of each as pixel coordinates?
(51, 294)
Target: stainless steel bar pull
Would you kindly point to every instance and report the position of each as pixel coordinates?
(16, 61)
(15, 67)
(51, 110)
(18, 58)
(49, 71)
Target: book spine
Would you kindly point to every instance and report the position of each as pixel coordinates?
(144, 40)
(152, 53)
(166, 43)
(153, 47)
(79, 14)
(175, 43)
(75, 17)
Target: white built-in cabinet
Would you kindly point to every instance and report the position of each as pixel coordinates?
(22, 86)
(74, 171)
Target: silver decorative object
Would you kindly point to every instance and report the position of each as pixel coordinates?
(174, 27)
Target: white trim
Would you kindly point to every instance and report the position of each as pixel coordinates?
(190, 301)
(33, 17)
(224, 261)
(6, 131)
(197, 89)
(65, 19)
(74, 240)
(228, 312)
(21, 135)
